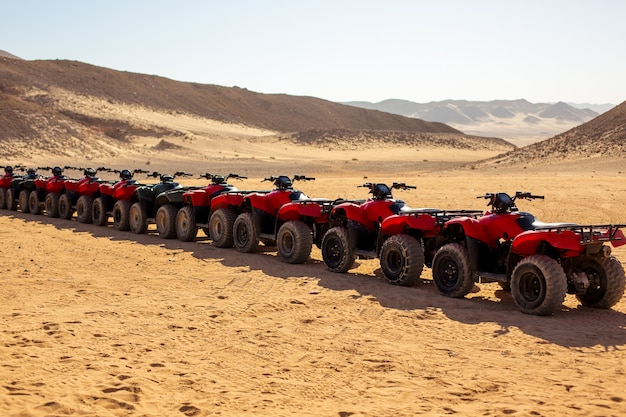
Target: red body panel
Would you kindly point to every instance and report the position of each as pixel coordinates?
(490, 228)
(296, 211)
(122, 190)
(5, 181)
(226, 201)
(398, 223)
(54, 184)
(369, 214)
(270, 202)
(525, 244)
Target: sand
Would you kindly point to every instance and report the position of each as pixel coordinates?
(98, 322)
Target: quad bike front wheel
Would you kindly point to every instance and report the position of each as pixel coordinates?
(402, 260)
(121, 215)
(34, 204)
(137, 219)
(3, 198)
(451, 271)
(65, 207)
(244, 233)
(84, 209)
(52, 204)
(165, 220)
(538, 285)
(294, 242)
(23, 200)
(221, 226)
(11, 201)
(337, 251)
(99, 215)
(606, 282)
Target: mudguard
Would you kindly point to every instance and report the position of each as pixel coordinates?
(399, 224)
(296, 211)
(227, 200)
(566, 241)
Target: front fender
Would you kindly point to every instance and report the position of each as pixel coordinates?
(296, 211)
(397, 224)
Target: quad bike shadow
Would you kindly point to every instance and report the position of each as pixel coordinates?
(580, 327)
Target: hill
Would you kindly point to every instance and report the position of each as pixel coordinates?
(519, 121)
(601, 139)
(71, 109)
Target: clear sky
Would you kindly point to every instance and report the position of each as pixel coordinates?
(343, 50)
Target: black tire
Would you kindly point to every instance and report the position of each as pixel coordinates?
(65, 207)
(221, 226)
(52, 204)
(84, 209)
(244, 233)
(121, 215)
(11, 202)
(337, 251)
(99, 216)
(185, 224)
(402, 260)
(3, 198)
(538, 285)
(606, 282)
(137, 219)
(34, 204)
(23, 199)
(451, 271)
(165, 220)
(294, 242)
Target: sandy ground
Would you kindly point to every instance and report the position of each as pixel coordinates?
(98, 322)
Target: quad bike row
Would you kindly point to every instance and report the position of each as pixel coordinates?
(538, 262)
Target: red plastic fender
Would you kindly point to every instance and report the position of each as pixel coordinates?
(271, 202)
(296, 211)
(124, 191)
(55, 184)
(196, 198)
(107, 189)
(399, 223)
(226, 201)
(619, 236)
(567, 241)
(88, 187)
(5, 181)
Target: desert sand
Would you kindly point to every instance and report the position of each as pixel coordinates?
(97, 322)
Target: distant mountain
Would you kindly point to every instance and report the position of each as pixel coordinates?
(603, 137)
(509, 119)
(468, 112)
(4, 54)
(598, 108)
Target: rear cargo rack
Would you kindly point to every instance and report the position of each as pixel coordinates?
(590, 233)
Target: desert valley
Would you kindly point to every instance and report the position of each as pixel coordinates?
(101, 322)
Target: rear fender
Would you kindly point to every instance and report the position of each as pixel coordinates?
(226, 201)
(566, 242)
(297, 211)
(423, 225)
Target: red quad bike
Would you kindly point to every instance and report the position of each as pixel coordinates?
(259, 214)
(5, 185)
(194, 211)
(19, 192)
(148, 198)
(410, 240)
(540, 262)
(115, 200)
(355, 226)
(78, 195)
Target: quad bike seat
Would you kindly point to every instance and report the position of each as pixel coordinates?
(527, 221)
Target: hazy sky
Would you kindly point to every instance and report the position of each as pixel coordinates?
(543, 50)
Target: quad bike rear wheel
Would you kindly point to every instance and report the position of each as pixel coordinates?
(294, 242)
(244, 233)
(11, 202)
(65, 207)
(34, 204)
(121, 215)
(3, 198)
(337, 251)
(402, 260)
(99, 215)
(52, 204)
(606, 282)
(184, 224)
(451, 271)
(221, 226)
(538, 285)
(137, 219)
(166, 221)
(23, 199)
(84, 209)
